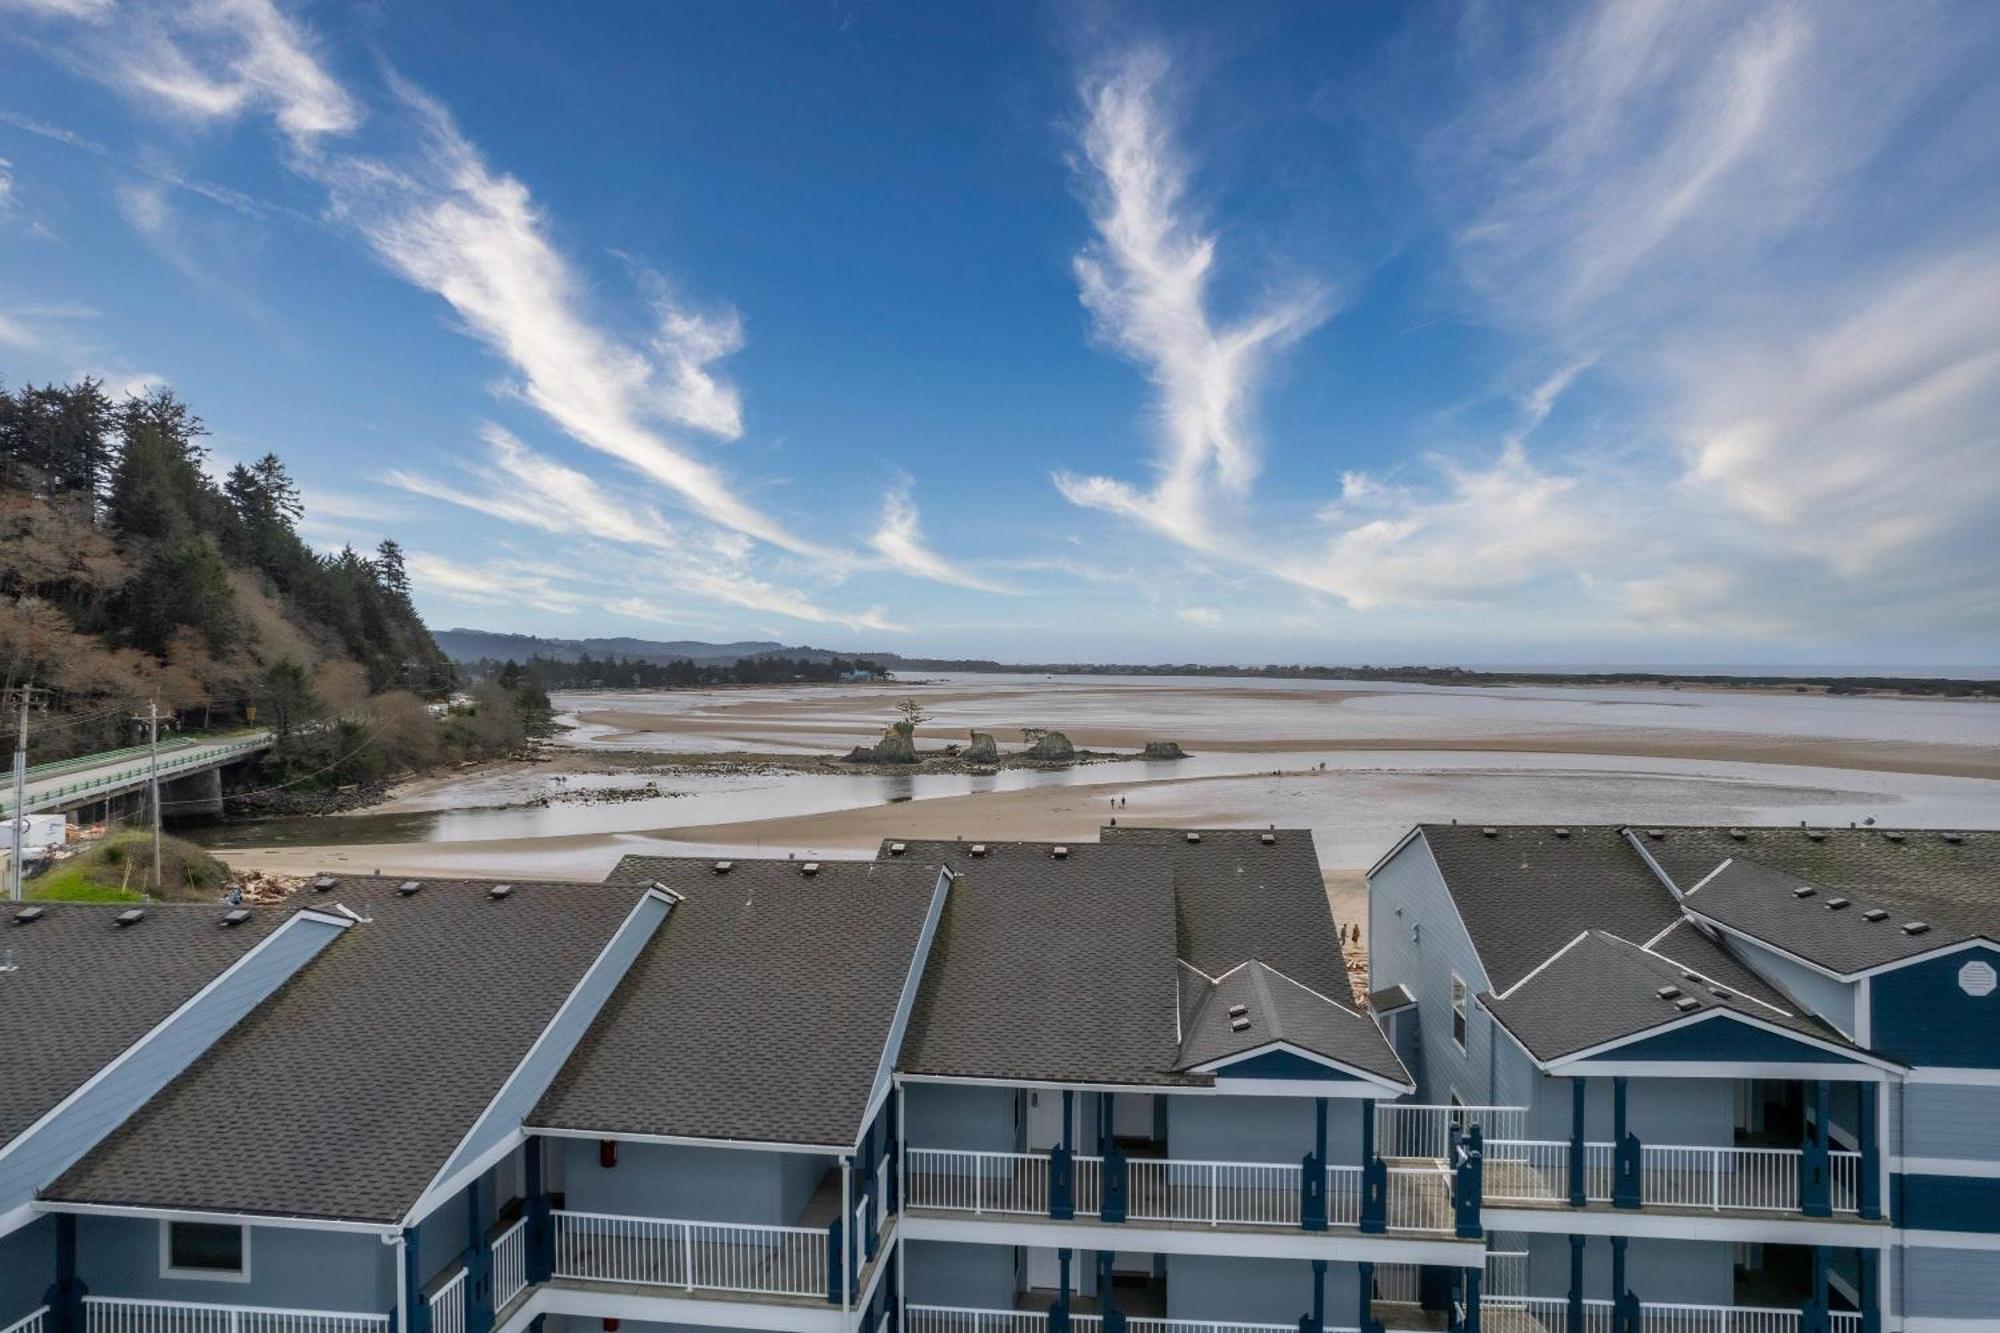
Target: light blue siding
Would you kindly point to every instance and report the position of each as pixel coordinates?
(1260, 1129)
(1685, 1272)
(980, 1277)
(692, 1183)
(951, 1115)
(37, 1157)
(1695, 1112)
(1822, 995)
(539, 1069)
(1949, 1284)
(289, 1267)
(1947, 1120)
(27, 1268)
(1258, 1291)
(1416, 938)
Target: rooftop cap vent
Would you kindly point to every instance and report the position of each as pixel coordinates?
(1687, 1004)
(1816, 834)
(1267, 838)
(1668, 992)
(1738, 834)
(1953, 838)
(1238, 1010)
(28, 915)
(1656, 833)
(1239, 1025)
(1835, 904)
(499, 891)
(898, 848)
(409, 887)
(1192, 836)
(1916, 927)
(1893, 837)
(1562, 833)
(132, 916)
(809, 868)
(1804, 891)
(1489, 832)
(1059, 851)
(1721, 992)
(724, 867)
(324, 883)
(1875, 914)
(236, 916)
(979, 849)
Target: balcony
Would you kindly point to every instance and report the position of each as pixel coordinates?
(115, 1315)
(1412, 1197)
(35, 1321)
(692, 1256)
(1538, 1173)
(957, 1319)
(1539, 1314)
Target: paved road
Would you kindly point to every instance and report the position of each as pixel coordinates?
(92, 777)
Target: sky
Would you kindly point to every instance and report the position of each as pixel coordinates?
(1270, 332)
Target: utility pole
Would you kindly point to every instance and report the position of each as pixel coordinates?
(26, 695)
(151, 717)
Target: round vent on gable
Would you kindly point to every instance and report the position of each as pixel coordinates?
(1977, 978)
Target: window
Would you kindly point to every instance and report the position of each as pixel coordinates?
(210, 1250)
(1458, 1012)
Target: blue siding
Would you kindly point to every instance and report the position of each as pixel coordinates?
(951, 1115)
(693, 1183)
(1415, 937)
(1948, 1203)
(539, 1069)
(977, 1276)
(39, 1156)
(1951, 1284)
(1261, 1291)
(27, 1268)
(1260, 1129)
(289, 1267)
(1950, 1120)
(1923, 1017)
(1283, 1064)
(1723, 1038)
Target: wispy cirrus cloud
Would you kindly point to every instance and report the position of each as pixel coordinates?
(1147, 279)
(900, 540)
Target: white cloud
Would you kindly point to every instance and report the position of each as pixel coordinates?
(1146, 280)
(900, 541)
(1206, 616)
(497, 583)
(145, 208)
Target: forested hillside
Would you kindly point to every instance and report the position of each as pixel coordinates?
(129, 574)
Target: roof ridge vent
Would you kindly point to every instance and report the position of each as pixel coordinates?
(1656, 834)
(324, 883)
(1916, 927)
(724, 867)
(1267, 838)
(1239, 1025)
(1561, 831)
(1953, 838)
(1875, 914)
(1489, 832)
(500, 891)
(978, 849)
(1804, 891)
(1816, 834)
(27, 916)
(1060, 851)
(236, 916)
(1193, 835)
(1888, 836)
(898, 848)
(1238, 1010)
(408, 888)
(1835, 904)
(1738, 834)
(132, 916)
(1722, 992)
(1687, 1004)
(809, 868)
(1668, 992)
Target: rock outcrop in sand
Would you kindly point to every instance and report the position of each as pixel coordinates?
(1163, 750)
(983, 750)
(1052, 745)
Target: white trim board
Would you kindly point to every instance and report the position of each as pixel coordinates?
(1291, 1243)
(1960, 1076)
(1768, 1229)
(1969, 1167)
(684, 1141)
(593, 1302)
(1949, 1240)
(892, 1046)
(1329, 1088)
(171, 1274)
(386, 1230)
(1853, 1057)
(1805, 1070)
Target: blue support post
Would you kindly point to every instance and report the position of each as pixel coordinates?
(1312, 1174)
(1374, 1176)
(65, 1297)
(1468, 1183)
(1576, 1282)
(1813, 1318)
(1111, 1173)
(478, 1259)
(1815, 1161)
(1578, 1092)
(1624, 1305)
(892, 1144)
(835, 1292)
(1871, 1153)
(1316, 1321)
(1062, 1200)
(1107, 1294)
(541, 1233)
(1059, 1312)
(1869, 1289)
(413, 1285)
(1627, 1188)
(1365, 1275)
(871, 1213)
(1472, 1277)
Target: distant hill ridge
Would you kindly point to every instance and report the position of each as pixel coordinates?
(475, 645)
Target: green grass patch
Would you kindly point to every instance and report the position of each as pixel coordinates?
(117, 870)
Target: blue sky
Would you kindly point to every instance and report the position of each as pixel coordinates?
(1485, 333)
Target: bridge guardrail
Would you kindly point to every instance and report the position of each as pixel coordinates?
(199, 756)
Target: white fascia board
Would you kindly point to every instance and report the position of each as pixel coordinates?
(187, 1006)
(1969, 1167)
(1729, 1015)
(1804, 1070)
(587, 1302)
(885, 1066)
(16, 1218)
(1324, 1061)
(1965, 1078)
(686, 1141)
(386, 1230)
(1893, 965)
(1290, 1243)
(1052, 1085)
(1949, 1240)
(1390, 855)
(1766, 1229)
(442, 1187)
(1637, 844)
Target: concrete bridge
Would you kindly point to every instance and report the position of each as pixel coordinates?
(190, 776)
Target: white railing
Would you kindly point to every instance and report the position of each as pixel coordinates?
(448, 1312)
(1656, 1318)
(1845, 1321)
(694, 1256)
(882, 1188)
(1552, 1312)
(1343, 1196)
(1087, 1185)
(510, 1263)
(1134, 1324)
(31, 1322)
(977, 1182)
(1525, 1171)
(112, 1315)
(1846, 1169)
(953, 1319)
(1396, 1282)
(1256, 1194)
(1403, 1129)
(1419, 1199)
(1506, 1273)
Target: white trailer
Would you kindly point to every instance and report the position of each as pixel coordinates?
(38, 834)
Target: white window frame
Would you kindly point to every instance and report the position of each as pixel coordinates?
(1461, 1011)
(167, 1269)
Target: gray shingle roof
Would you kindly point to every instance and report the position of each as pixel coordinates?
(759, 1011)
(1526, 891)
(1278, 1009)
(1240, 897)
(1950, 883)
(84, 989)
(344, 1092)
(1602, 988)
(1057, 970)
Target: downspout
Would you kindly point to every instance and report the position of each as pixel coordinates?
(402, 1288)
(847, 1233)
